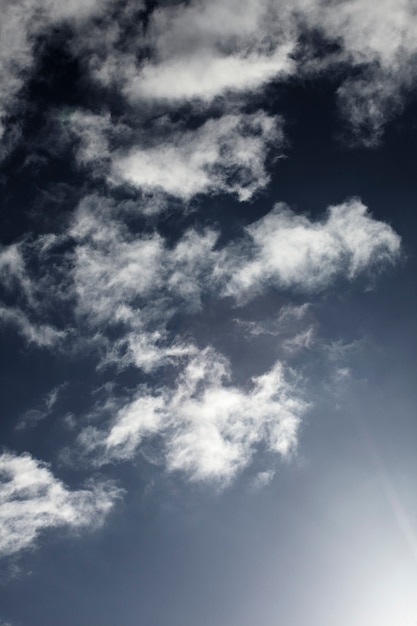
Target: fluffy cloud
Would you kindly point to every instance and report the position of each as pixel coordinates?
(195, 51)
(141, 283)
(290, 250)
(210, 428)
(198, 52)
(32, 500)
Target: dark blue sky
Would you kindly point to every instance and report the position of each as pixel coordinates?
(207, 314)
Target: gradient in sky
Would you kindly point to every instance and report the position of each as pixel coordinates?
(208, 313)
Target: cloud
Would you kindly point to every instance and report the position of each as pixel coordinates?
(41, 335)
(288, 320)
(262, 479)
(33, 500)
(132, 279)
(198, 53)
(292, 251)
(22, 24)
(32, 417)
(29, 311)
(210, 428)
(13, 271)
(376, 51)
(195, 51)
(141, 283)
(223, 155)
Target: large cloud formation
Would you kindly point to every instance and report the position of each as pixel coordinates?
(175, 113)
(210, 426)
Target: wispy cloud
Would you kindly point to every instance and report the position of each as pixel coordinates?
(32, 417)
(42, 335)
(33, 500)
(22, 24)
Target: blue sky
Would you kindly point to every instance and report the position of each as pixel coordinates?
(207, 313)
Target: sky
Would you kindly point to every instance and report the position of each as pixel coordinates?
(208, 313)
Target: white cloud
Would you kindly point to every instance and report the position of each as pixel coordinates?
(206, 75)
(126, 289)
(210, 428)
(140, 283)
(32, 500)
(378, 40)
(13, 271)
(262, 479)
(223, 155)
(301, 341)
(198, 51)
(292, 251)
(288, 320)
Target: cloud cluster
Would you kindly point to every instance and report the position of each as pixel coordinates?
(141, 282)
(32, 500)
(172, 114)
(199, 52)
(210, 427)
